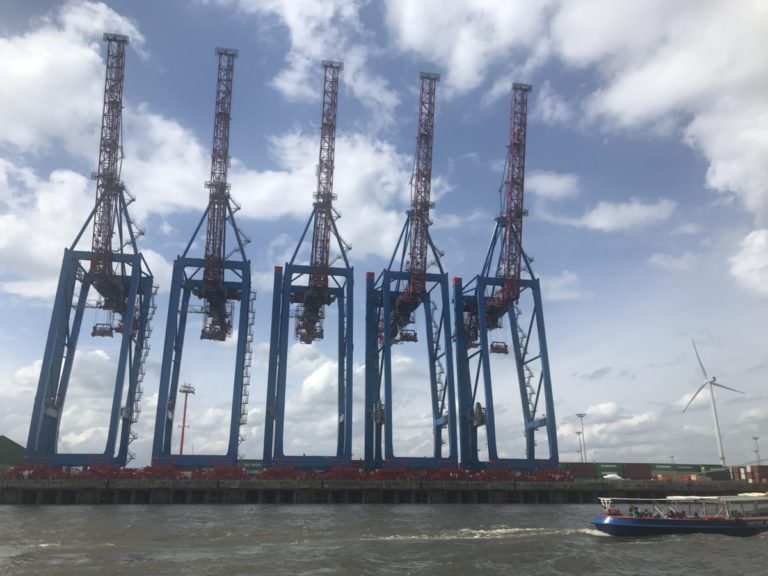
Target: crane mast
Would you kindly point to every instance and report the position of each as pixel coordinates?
(309, 319)
(108, 184)
(421, 204)
(218, 321)
(512, 210)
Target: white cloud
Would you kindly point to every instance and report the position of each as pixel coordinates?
(659, 67)
(550, 107)
(750, 264)
(166, 166)
(453, 221)
(604, 410)
(51, 211)
(466, 38)
(58, 70)
(655, 64)
(369, 222)
(58, 206)
(688, 229)
(329, 29)
(563, 287)
(700, 403)
(672, 263)
(552, 185)
(61, 56)
(614, 216)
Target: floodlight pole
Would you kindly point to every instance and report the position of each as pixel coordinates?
(581, 452)
(757, 450)
(581, 417)
(185, 389)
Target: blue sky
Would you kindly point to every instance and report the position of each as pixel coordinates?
(647, 188)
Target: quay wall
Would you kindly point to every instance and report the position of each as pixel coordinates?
(142, 491)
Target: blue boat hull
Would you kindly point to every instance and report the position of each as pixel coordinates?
(626, 526)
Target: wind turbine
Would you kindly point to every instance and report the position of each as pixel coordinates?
(711, 382)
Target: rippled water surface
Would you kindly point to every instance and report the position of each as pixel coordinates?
(373, 539)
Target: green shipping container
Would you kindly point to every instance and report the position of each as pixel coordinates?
(609, 468)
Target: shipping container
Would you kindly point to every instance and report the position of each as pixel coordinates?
(637, 471)
(581, 470)
(719, 474)
(604, 468)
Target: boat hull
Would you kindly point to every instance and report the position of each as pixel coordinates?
(627, 526)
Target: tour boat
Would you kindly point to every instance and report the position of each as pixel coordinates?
(742, 515)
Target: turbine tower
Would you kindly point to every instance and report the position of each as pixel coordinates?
(309, 289)
(218, 281)
(711, 383)
(482, 304)
(125, 298)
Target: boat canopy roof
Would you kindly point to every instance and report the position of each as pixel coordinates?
(743, 497)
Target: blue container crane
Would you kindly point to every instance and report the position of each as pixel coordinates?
(481, 307)
(219, 281)
(123, 283)
(306, 291)
(392, 300)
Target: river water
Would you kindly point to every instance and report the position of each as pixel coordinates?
(374, 539)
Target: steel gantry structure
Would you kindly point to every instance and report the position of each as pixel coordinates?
(218, 281)
(304, 291)
(480, 308)
(123, 283)
(392, 301)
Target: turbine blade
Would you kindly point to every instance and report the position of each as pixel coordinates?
(727, 387)
(694, 396)
(704, 371)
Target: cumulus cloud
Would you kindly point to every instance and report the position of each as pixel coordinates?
(550, 185)
(550, 107)
(57, 205)
(563, 287)
(466, 39)
(688, 229)
(165, 164)
(59, 57)
(615, 216)
(654, 64)
(673, 263)
(750, 264)
(363, 164)
(318, 31)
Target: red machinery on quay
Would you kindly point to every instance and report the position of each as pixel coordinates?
(355, 473)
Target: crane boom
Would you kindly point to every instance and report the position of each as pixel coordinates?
(218, 322)
(512, 211)
(108, 185)
(421, 203)
(422, 188)
(309, 324)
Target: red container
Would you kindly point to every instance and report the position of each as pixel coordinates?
(637, 471)
(581, 470)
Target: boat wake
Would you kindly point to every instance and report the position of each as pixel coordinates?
(492, 534)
